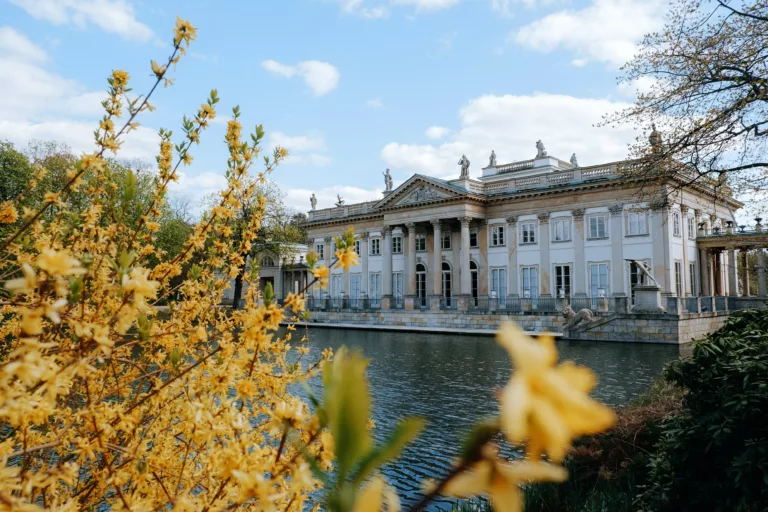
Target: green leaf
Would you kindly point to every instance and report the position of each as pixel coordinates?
(405, 432)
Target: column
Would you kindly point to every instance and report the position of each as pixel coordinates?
(704, 275)
(761, 272)
(512, 271)
(744, 271)
(466, 280)
(386, 264)
(364, 263)
(437, 259)
(617, 253)
(579, 271)
(544, 236)
(732, 283)
(410, 268)
(327, 256)
(684, 234)
(660, 240)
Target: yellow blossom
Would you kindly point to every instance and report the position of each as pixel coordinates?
(184, 31)
(545, 404)
(138, 283)
(58, 263)
(8, 213)
(377, 496)
(25, 284)
(31, 321)
(321, 274)
(347, 258)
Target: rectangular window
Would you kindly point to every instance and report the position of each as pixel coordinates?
(691, 228)
(499, 283)
(679, 278)
(529, 233)
(337, 285)
(421, 243)
(692, 278)
(320, 250)
(397, 284)
(357, 246)
(530, 283)
(563, 281)
(636, 224)
(374, 288)
(355, 283)
(473, 238)
(561, 230)
(676, 223)
(446, 240)
(397, 245)
(597, 227)
(375, 246)
(497, 236)
(598, 279)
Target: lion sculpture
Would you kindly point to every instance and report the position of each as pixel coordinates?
(573, 319)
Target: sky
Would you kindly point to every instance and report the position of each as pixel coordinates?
(349, 87)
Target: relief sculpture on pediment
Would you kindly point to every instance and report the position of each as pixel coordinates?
(421, 194)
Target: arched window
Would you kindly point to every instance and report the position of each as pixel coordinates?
(447, 283)
(421, 284)
(267, 261)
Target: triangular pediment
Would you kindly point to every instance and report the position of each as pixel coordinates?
(420, 189)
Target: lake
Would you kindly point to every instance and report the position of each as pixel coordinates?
(451, 379)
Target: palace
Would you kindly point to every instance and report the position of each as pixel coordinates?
(525, 234)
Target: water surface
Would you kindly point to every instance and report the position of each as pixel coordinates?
(451, 380)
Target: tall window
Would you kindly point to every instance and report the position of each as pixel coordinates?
(397, 284)
(529, 233)
(267, 261)
(337, 285)
(561, 230)
(355, 283)
(446, 240)
(597, 227)
(473, 280)
(320, 250)
(676, 223)
(421, 243)
(397, 245)
(562, 280)
(421, 284)
(497, 236)
(375, 246)
(679, 278)
(530, 284)
(692, 278)
(447, 283)
(499, 283)
(357, 246)
(473, 238)
(374, 288)
(691, 228)
(636, 224)
(598, 279)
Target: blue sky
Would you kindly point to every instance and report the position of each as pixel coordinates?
(351, 87)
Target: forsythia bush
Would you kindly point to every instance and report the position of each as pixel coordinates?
(108, 401)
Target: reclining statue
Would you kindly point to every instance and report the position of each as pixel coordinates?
(572, 319)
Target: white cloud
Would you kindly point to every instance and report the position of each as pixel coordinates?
(437, 132)
(642, 85)
(298, 198)
(605, 31)
(307, 150)
(112, 16)
(378, 9)
(426, 5)
(319, 76)
(375, 103)
(510, 125)
(38, 104)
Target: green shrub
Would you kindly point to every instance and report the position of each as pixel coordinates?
(714, 455)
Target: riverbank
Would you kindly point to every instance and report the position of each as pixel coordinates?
(416, 328)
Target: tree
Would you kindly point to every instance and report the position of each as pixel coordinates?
(16, 172)
(706, 102)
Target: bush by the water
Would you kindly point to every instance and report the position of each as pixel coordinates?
(714, 455)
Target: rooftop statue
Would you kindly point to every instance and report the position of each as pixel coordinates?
(387, 181)
(464, 163)
(540, 151)
(339, 200)
(492, 160)
(313, 201)
(574, 161)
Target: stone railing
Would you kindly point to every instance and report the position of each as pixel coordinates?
(557, 178)
(515, 166)
(339, 212)
(601, 171)
(497, 188)
(476, 187)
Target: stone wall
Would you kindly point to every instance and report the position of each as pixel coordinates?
(439, 319)
(650, 328)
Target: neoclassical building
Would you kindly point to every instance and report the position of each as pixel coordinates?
(531, 230)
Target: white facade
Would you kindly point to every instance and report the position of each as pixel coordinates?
(286, 274)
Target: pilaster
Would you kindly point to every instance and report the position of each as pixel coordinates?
(544, 236)
(617, 254)
(465, 277)
(580, 265)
